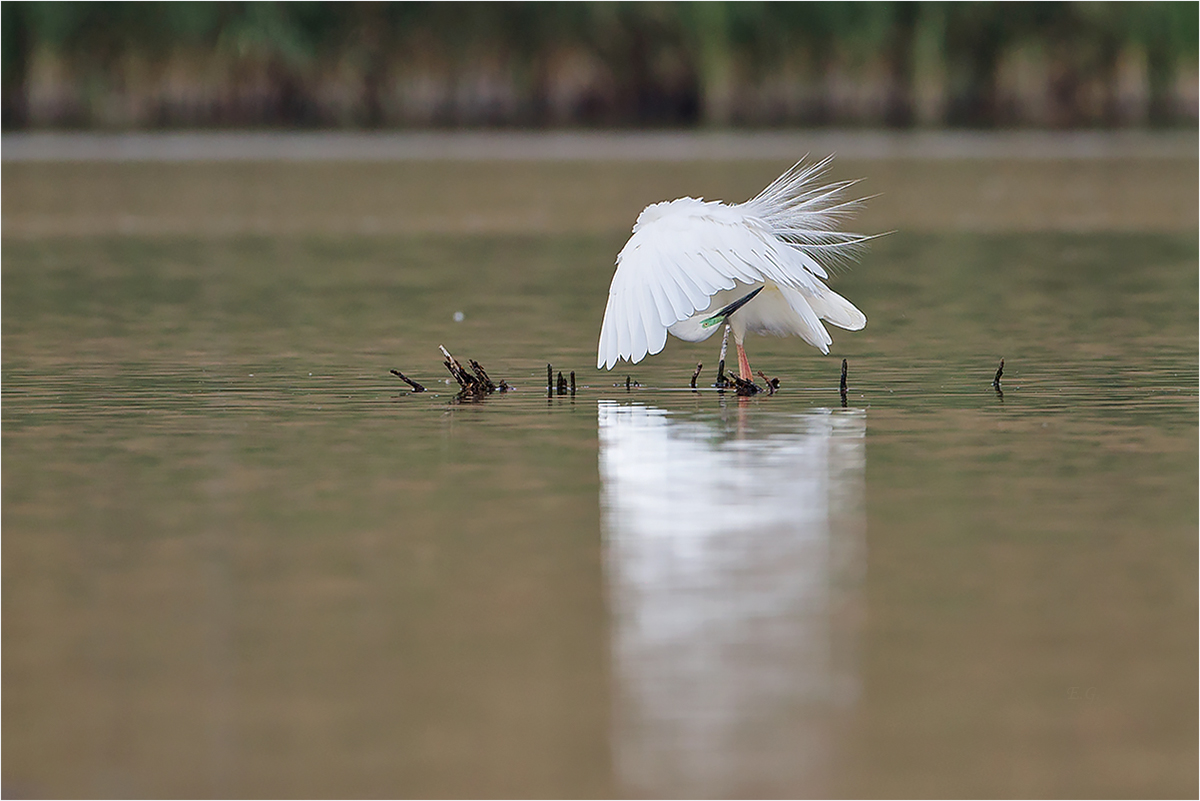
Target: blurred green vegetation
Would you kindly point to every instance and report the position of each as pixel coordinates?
(317, 64)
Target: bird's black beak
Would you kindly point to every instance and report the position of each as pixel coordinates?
(730, 309)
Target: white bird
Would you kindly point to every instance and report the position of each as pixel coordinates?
(691, 264)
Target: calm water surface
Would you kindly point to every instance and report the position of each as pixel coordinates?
(241, 559)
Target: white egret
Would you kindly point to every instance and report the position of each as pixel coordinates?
(691, 264)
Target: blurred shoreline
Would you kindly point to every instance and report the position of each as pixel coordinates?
(117, 66)
(592, 146)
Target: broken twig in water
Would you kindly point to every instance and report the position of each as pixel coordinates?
(549, 380)
(572, 383)
(562, 384)
(415, 386)
(999, 373)
(460, 375)
(842, 384)
(696, 374)
(772, 383)
(742, 386)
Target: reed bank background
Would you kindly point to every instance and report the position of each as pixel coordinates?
(360, 66)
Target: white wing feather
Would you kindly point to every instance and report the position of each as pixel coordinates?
(684, 251)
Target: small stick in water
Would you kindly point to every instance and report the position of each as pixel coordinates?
(696, 374)
(415, 386)
(627, 384)
(772, 383)
(999, 372)
(549, 380)
(562, 384)
(572, 383)
(842, 384)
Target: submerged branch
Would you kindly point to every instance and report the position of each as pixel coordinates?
(475, 384)
(772, 383)
(842, 384)
(744, 387)
(415, 386)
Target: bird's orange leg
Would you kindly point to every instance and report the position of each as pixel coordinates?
(744, 364)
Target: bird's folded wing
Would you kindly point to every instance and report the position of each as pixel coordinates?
(677, 259)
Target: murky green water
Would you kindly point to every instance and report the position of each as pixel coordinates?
(240, 559)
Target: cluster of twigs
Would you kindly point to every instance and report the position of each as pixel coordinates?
(475, 383)
(559, 387)
(740, 385)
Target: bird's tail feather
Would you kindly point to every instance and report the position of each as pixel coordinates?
(833, 308)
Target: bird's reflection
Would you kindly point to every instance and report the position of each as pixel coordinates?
(733, 550)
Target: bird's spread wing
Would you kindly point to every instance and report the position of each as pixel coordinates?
(684, 251)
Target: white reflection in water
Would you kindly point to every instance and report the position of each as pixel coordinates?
(733, 552)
